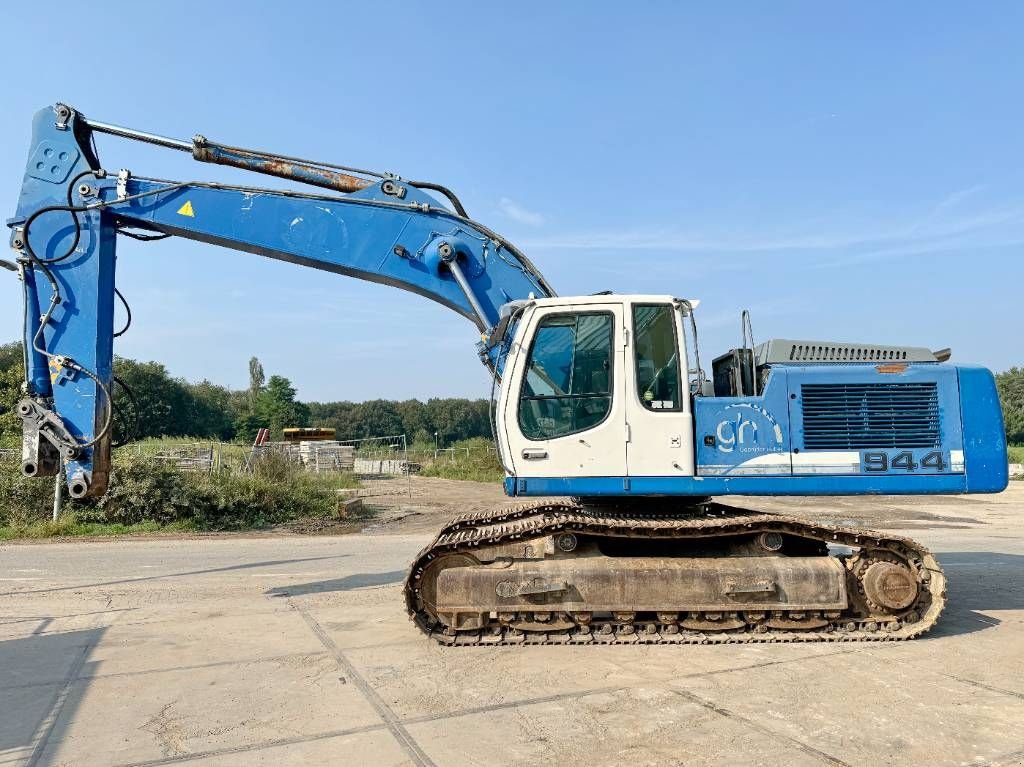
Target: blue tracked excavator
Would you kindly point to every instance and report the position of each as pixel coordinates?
(602, 399)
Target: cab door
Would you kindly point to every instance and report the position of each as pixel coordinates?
(562, 403)
(658, 412)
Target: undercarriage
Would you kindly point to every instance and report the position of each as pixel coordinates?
(576, 573)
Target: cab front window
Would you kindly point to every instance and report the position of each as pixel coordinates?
(567, 386)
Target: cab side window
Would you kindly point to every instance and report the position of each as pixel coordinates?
(657, 357)
(567, 386)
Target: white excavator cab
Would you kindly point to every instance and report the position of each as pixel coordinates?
(598, 386)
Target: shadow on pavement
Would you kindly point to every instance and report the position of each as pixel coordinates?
(977, 583)
(349, 582)
(38, 692)
(226, 568)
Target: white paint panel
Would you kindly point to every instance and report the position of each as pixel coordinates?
(773, 464)
(802, 463)
(597, 452)
(826, 462)
(661, 441)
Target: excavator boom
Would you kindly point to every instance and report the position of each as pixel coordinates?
(382, 229)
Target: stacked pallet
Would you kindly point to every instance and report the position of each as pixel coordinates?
(327, 455)
(381, 466)
(188, 457)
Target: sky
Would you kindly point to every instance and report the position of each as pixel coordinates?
(848, 172)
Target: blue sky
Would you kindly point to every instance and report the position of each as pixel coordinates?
(845, 172)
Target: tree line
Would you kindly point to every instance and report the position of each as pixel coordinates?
(161, 405)
(1011, 394)
(165, 406)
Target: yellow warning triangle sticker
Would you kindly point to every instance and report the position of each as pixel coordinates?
(186, 210)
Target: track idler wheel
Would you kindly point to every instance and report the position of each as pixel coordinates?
(890, 586)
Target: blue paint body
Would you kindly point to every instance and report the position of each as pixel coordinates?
(344, 236)
(969, 414)
(741, 425)
(82, 326)
(984, 437)
(367, 234)
(744, 445)
(941, 484)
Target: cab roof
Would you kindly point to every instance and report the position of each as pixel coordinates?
(613, 298)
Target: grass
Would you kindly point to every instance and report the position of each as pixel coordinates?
(1016, 456)
(472, 459)
(69, 525)
(149, 495)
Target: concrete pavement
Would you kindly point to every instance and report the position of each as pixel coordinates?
(293, 650)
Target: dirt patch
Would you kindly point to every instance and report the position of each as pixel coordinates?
(430, 502)
(424, 504)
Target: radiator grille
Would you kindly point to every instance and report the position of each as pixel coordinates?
(875, 415)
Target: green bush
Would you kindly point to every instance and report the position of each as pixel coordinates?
(147, 493)
(144, 488)
(250, 500)
(25, 501)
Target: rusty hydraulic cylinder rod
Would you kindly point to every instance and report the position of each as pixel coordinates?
(205, 151)
(258, 162)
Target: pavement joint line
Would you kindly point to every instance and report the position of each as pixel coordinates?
(418, 641)
(391, 720)
(1015, 757)
(177, 619)
(726, 713)
(601, 690)
(982, 685)
(26, 618)
(162, 576)
(294, 741)
(955, 678)
(753, 666)
(485, 709)
(143, 672)
(47, 726)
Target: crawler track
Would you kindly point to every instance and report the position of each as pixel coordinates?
(859, 623)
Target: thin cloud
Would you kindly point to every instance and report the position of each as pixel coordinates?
(518, 213)
(930, 231)
(954, 199)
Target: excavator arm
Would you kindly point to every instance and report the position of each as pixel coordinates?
(376, 227)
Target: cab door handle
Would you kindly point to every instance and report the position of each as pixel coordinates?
(532, 454)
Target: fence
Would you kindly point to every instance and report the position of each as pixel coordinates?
(380, 463)
(195, 456)
(448, 454)
(328, 456)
